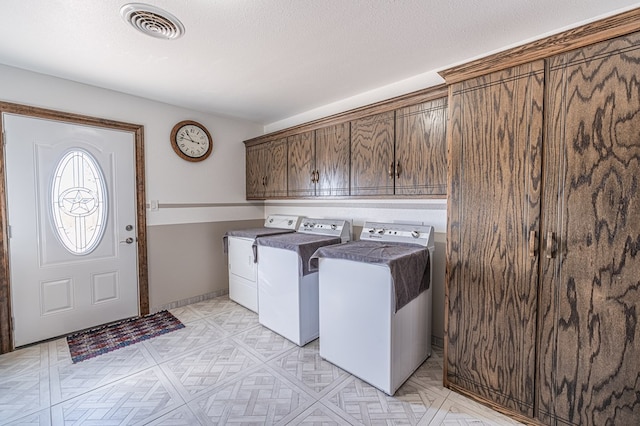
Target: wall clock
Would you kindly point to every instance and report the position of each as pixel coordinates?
(191, 140)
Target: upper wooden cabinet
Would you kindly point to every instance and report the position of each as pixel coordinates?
(421, 149)
(401, 152)
(302, 165)
(332, 160)
(266, 170)
(396, 147)
(319, 162)
(372, 160)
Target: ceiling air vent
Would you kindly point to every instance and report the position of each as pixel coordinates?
(152, 21)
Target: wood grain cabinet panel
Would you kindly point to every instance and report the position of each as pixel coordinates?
(589, 363)
(319, 162)
(543, 250)
(266, 170)
(493, 218)
(302, 165)
(332, 160)
(372, 155)
(421, 149)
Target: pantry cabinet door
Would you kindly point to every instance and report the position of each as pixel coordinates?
(589, 370)
(492, 227)
(421, 149)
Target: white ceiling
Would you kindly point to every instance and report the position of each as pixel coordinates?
(267, 60)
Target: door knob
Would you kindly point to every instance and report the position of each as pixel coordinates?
(127, 241)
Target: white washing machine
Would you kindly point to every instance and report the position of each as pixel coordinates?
(242, 260)
(375, 303)
(287, 289)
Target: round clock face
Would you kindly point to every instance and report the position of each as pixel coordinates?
(191, 141)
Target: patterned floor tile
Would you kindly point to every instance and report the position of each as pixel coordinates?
(460, 410)
(318, 414)
(264, 343)
(41, 418)
(235, 321)
(206, 367)
(181, 416)
(362, 403)
(429, 375)
(24, 360)
(69, 380)
(136, 399)
(185, 314)
(58, 351)
(171, 345)
(261, 397)
(24, 394)
(215, 306)
(306, 366)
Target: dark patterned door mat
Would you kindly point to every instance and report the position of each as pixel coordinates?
(100, 340)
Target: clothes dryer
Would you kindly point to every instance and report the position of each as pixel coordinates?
(242, 257)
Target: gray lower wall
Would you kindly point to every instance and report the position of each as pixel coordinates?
(187, 264)
(187, 260)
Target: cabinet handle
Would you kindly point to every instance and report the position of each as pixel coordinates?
(398, 169)
(551, 245)
(533, 243)
(266, 180)
(391, 169)
(317, 176)
(313, 176)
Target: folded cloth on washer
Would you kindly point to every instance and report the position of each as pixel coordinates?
(409, 264)
(303, 244)
(252, 233)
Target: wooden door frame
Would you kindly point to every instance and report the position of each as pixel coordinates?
(6, 325)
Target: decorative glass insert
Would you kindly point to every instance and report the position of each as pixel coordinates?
(79, 202)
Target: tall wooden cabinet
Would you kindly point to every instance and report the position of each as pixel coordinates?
(493, 221)
(543, 269)
(589, 365)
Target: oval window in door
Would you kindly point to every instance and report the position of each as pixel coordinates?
(79, 202)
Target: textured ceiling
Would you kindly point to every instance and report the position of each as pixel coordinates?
(272, 59)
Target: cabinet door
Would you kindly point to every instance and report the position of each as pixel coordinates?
(372, 155)
(276, 169)
(255, 158)
(590, 288)
(301, 165)
(421, 149)
(493, 220)
(332, 160)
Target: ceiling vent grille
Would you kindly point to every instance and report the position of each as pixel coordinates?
(152, 21)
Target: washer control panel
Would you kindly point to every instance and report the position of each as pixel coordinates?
(283, 221)
(334, 227)
(398, 232)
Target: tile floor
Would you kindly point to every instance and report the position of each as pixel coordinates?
(223, 367)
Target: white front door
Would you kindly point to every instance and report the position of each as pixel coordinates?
(71, 209)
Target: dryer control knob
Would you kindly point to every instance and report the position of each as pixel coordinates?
(381, 231)
(415, 234)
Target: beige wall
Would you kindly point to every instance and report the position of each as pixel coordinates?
(187, 260)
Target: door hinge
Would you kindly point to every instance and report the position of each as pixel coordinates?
(4, 140)
(9, 231)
